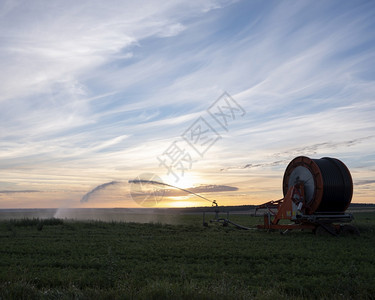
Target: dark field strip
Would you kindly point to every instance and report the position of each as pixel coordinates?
(85, 260)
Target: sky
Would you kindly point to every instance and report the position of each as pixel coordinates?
(96, 93)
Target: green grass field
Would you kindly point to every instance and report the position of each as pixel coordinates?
(56, 259)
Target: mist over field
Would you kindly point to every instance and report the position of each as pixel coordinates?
(136, 215)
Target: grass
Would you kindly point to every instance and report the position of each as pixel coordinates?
(44, 259)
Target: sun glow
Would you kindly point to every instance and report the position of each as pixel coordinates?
(187, 181)
(182, 203)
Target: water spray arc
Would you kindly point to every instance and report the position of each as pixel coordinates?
(103, 186)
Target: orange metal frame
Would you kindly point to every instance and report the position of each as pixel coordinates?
(287, 209)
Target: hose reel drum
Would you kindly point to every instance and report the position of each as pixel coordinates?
(317, 193)
(328, 185)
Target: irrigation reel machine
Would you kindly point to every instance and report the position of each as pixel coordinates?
(317, 193)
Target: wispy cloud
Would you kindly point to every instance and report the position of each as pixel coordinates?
(364, 182)
(93, 92)
(21, 191)
(307, 150)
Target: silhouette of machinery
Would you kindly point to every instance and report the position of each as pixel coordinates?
(317, 193)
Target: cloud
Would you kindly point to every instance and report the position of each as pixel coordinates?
(301, 151)
(364, 182)
(97, 90)
(45, 45)
(202, 189)
(172, 30)
(19, 191)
